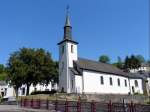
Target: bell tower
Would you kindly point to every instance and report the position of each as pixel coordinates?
(67, 54)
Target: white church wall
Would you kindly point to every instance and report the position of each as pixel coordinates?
(92, 83)
(136, 88)
(67, 56)
(72, 54)
(63, 67)
(78, 84)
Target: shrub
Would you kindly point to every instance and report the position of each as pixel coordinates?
(43, 92)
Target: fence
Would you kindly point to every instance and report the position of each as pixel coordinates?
(80, 106)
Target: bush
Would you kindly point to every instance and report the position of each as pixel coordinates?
(43, 92)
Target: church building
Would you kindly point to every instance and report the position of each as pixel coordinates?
(79, 75)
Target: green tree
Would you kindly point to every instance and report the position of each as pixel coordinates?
(2, 68)
(131, 63)
(104, 59)
(119, 63)
(140, 58)
(31, 66)
(3, 74)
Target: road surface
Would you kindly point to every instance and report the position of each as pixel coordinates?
(15, 108)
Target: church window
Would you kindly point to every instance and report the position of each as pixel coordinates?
(71, 48)
(118, 82)
(63, 49)
(102, 80)
(110, 79)
(136, 83)
(125, 82)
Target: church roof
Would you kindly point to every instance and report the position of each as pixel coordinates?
(90, 65)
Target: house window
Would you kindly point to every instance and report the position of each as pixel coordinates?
(35, 89)
(110, 80)
(71, 48)
(118, 82)
(5, 92)
(136, 83)
(101, 80)
(23, 91)
(125, 83)
(133, 89)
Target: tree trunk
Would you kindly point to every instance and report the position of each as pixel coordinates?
(16, 91)
(28, 87)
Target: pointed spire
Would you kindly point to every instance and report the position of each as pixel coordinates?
(67, 23)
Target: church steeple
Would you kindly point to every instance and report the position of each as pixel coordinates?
(67, 27)
(67, 30)
(67, 23)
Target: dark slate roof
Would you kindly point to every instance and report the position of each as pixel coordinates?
(87, 64)
(74, 71)
(137, 75)
(67, 40)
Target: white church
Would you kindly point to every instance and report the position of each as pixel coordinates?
(79, 75)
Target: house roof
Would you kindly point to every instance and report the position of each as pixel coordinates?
(145, 65)
(2, 83)
(87, 64)
(138, 75)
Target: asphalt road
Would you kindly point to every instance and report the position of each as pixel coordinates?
(15, 108)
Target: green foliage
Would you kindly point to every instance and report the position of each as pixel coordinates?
(140, 58)
(131, 63)
(104, 59)
(3, 76)
(119, 63)
(31, 66)
(2, 68)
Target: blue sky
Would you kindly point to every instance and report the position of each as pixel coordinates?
(111, 27)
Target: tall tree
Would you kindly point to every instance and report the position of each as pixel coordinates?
(2, 68)
(104, 59)
(119, 63)
(140, 58)
(3, 74)
(31, 66)
(131, 63)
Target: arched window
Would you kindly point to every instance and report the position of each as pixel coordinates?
(125, 83)
(110, 80)
(63, 48)
(118, 82)
(101, 80)
(136, 83)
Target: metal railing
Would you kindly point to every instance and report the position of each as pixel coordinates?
(80, 106)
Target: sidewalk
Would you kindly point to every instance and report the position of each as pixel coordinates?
(15, 108)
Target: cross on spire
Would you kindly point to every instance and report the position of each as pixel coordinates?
(67, 23)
